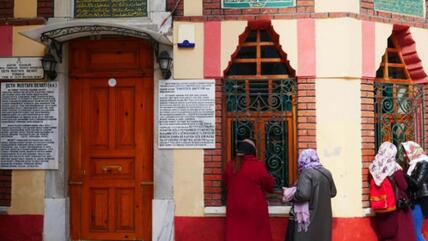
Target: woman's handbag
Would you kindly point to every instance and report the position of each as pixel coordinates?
(403, 202)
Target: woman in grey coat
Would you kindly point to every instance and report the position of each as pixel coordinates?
(312, 199)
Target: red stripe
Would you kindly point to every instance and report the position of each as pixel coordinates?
(212, 229)
(306, 48)
(368, 48)
(6, 41)
(212, 45)
(21, 227)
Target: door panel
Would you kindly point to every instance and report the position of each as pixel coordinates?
(111, 151)
(99, 198)
(125, 117)
(125, 210)
(98, 118)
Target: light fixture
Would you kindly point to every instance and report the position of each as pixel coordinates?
(49, 64)
(165, 61)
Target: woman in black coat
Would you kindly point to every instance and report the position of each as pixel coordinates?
(311, 199)
(418, 184)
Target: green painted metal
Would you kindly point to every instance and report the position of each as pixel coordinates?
(258, 3)
(405, 7)
(110, 8)
(259, 112)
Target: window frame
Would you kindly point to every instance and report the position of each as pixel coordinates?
(411, 94)
(290, 117)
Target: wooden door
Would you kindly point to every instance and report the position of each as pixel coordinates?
(111, 137)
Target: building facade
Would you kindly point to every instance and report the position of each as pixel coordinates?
(106, 182)
(337, 76)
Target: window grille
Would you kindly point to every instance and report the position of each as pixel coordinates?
(259, 92)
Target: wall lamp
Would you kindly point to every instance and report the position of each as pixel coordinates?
(49, 61)
(165, 62)
(49, 64)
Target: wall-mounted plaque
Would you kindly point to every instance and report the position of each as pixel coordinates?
(405, 7)
(258, 3)
(110, 8)
(186, 114)
(29, 125)
(21, 68)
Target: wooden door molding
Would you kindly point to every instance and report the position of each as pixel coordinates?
(119, 57)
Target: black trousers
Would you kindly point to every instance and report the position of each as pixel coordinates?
(289, 233)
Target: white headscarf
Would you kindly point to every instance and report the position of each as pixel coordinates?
(415, 154)
(384, 164)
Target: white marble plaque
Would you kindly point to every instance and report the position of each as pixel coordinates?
(21, 68)
(186, 114)
(29, 125)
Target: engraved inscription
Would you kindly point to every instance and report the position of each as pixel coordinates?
(110, 8)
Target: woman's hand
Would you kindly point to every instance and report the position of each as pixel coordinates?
(288, 193)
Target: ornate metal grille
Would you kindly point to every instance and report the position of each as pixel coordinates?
(263, 110)
(399, 113)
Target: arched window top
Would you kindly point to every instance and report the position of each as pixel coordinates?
(393, 69)
(259, 55)
(401, 42)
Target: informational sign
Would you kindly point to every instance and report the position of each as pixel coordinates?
(110, 8)
(405, 7)
(186, 114)
(21, 68)
(29, 125)
(258, 3)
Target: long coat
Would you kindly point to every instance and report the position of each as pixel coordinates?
(317, 187)
(247, 217)
(397, 225)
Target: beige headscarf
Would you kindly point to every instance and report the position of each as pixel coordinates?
(384, 164)
(415, 154)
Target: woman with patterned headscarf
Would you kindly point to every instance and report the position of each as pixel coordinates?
(312, 199)
(418, 184)
(396, 225)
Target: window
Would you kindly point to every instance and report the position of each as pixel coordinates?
(259, 91)
(398, 102)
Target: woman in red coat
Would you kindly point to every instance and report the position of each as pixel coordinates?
(246, 181)
(396, 225)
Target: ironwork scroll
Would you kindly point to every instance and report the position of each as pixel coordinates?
(399, 113)
(263, 110)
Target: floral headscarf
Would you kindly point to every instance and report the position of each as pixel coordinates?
(415, 154)
(308, 159)
(384, 164)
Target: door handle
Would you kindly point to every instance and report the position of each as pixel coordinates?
(111, 168)
(75, 182)
(146, 183)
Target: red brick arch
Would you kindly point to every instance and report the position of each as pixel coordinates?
(410, 56)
